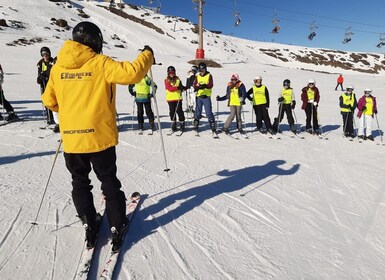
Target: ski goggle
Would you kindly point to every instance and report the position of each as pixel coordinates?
(367, 92)
(286, 84)
(311, 84)
(44, 53)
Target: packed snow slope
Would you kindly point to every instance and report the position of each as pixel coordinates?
(254, 208)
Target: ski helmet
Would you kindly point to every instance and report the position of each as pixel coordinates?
(194, 69)
(367, 90)
(202, 66)
(235, 77)
(45, 50)
(286, 82)
(351, 87)
(87, 33)
(171, 69)
(258, 77)
(311, 81)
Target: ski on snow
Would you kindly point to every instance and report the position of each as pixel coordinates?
(86, 258)
(112, 257)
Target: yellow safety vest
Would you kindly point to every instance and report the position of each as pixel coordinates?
(287, 95)
(174, 95)
(347, 100)
(234, 97)
(204, 80)
(310, 94)
(142, 88)
(259, 96)
(369, 106)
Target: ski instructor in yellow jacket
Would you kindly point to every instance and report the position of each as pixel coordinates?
(82, 89)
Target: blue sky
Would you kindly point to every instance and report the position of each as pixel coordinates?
(332, 17)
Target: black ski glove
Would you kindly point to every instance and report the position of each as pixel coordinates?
(293, 103)
(280, 99)
(363, 108)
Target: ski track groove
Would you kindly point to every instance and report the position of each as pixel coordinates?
(7, 233)
(203, 250)
(55, 245)
(174, 252)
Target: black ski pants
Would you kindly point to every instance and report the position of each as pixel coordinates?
(285, 109)
(142, 106)
(311, 114)
(175, 108)
(262, 114)
(48, 112)
(104, 166)
(347, 118)
(7, 106)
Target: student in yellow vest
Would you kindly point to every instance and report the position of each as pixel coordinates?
(82, 88)
(261, 103)
(203, 86)
(142, 93)
(235, 94)
(348, 104)
(310, 98)
(367, 107)
(286, 105)
(174, 98)
(43, 71)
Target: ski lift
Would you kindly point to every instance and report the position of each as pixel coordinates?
(312, 32)
(237, 22)
(236, 15)
(348, 35)
(276, 28)
(382, 40)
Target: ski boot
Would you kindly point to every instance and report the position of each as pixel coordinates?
(117, 237)
(182, 126)
(196, 125)
(91, 226)
(152, 126)
(56, 129)
(213, 125)
(173, 127)
(362, 137)
(293, 129)
(370, 137)
(141, 126)
(11, 116)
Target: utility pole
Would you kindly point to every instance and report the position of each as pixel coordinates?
(200, 53)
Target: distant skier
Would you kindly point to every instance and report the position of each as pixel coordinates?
(286, 105)
(348, 104)
(190, 93)
(82, 88)
(142, 93)
(174, 98)
(203, 86)
(261, 102)
(310, 98)
(367, 108)
(4, 102)
(43, 71)
(340, 82)
(236, 95)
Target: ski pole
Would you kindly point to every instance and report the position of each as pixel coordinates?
(378, 126)
(318, 120)
(279, 115)
(158, 119)
(346, 123)
(132, 116)
(296, 121)
(2, 102)
(252, 117)
(46, 186)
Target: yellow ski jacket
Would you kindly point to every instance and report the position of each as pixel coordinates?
(82, 87)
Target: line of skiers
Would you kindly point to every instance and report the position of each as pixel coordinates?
(198, 90)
